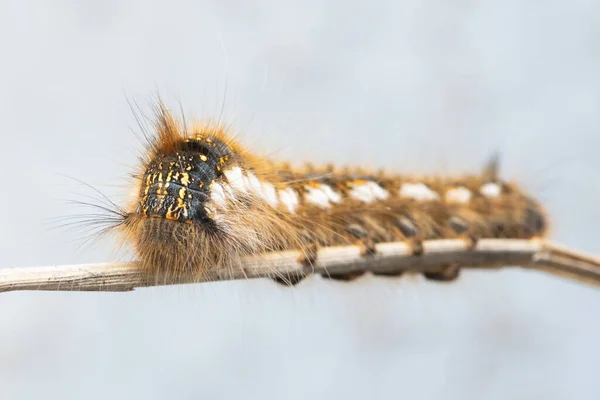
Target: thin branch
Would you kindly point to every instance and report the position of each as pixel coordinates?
(389, 258)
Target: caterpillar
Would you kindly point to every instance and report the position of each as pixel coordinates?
(202, 201)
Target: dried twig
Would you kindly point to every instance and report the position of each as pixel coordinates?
(390, 257)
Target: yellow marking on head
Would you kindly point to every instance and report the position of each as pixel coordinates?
(182, 193)
(169, 176)
(218, 168)
(185, 178)
(171, 214)
(201, 184)
(208, 140)
(203, 157)
(161, 190)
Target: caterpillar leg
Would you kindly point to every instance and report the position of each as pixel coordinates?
(470, 234)
(448, 273)
(289, 280)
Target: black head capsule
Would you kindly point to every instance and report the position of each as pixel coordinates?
(176, 185)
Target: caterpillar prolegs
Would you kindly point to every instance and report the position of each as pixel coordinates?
(203, 201)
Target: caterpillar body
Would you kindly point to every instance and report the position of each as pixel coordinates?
(203, 201)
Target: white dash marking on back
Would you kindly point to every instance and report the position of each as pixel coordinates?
(236, 179)
(368, 192)
(418, 191)
(289, 198)
(379, 192)
(317, 196)
(254, 185)
(331, 194)
(458, 194)
(490, 190)
(269, 193)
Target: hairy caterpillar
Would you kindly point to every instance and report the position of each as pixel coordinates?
(203, 201)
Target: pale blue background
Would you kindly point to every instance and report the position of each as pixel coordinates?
(421, 86)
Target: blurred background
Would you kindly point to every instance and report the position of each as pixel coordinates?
(415, 86)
